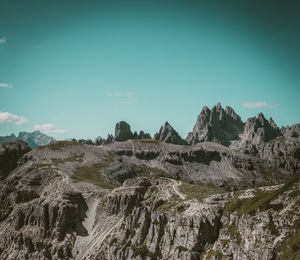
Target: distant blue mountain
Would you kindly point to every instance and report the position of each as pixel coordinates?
(33, 139)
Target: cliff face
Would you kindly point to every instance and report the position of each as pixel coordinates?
(156, 221)
(169, 224)
(144, 199)
(10, 153)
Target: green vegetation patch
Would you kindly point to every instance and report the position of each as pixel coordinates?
(164, 205)
(58, 145)
(150, 141)
(273, 229)
(182, 249)
(214, 253)
(198, 191)
(113, 241)
(261, 200)
(55, 161)
(146, 170)
(182, 208)
(290, 249)
(225, 242)
(74, 158)
(142, 250)
(158, 203)
(233, 232)
(92, 174)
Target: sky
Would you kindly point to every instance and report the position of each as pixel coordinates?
(75, 68)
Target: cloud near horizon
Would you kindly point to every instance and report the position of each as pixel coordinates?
(49, 129)
(257, 104)
(3, 40)
(5, 85)
(6, 117)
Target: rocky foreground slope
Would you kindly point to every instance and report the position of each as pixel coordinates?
(146, 199)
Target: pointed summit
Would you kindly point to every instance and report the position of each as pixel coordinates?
(167, 134)
(257, 132)
(261, 128)
(216, 125)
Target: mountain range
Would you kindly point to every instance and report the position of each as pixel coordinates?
(230, 190)
(217, 125)
(33, 139)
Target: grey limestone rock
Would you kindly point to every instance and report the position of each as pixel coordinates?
(167, 134)
(122, 132)
(216, 125)
(257, 132)
(291, 131)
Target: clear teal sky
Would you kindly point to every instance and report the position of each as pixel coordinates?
(84, 65)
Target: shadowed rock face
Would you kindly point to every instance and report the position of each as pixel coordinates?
(167, 134)
(141, 135)
(216, 125)
(122, 132)
(10, 153)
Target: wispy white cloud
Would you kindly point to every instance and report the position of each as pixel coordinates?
(128, 95)
(257, 104)
(5, 85)
(49, 129)
(6, 117)
(114, 94)
(3, 40)
(126, 102)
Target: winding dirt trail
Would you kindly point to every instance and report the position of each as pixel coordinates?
(175, 186)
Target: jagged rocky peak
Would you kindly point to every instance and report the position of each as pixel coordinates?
(122, 132)
(257, 132)
(216, 125)
(35, 138)
(168, 134)
(291, 131)
(261, 129)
